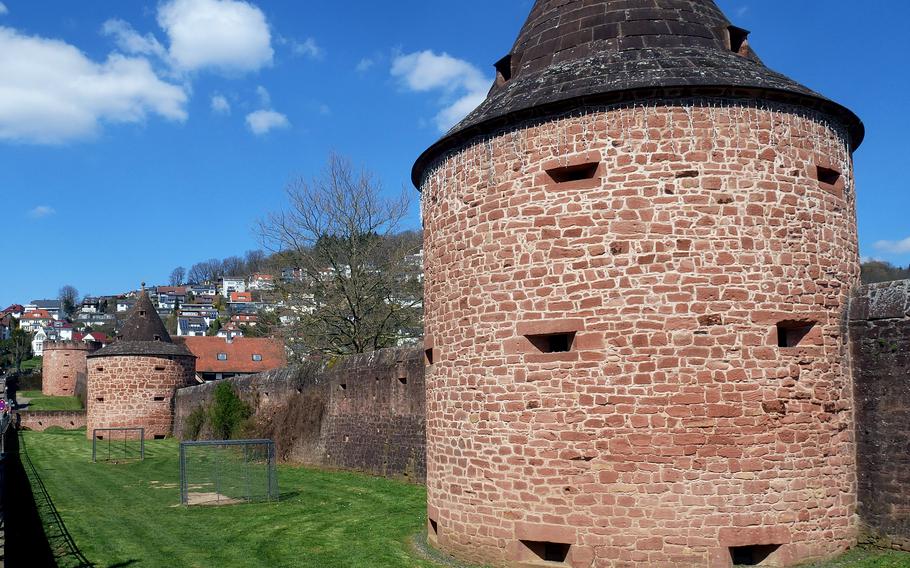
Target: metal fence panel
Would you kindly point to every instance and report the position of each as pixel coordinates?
(118, 444)
(222, 472)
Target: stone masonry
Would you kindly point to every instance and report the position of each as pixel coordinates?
(136, 391)
(63, 361)
(880, 334)
(674, 427)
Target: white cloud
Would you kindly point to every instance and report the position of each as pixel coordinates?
(364, 65)
(3, 9)
(463, 85)
(52, 93)
(894, 247)
(261, 122)
(228, 35)
(264, 98)
(130, 41)
(220, 105)
(41, 211)
(309, 48)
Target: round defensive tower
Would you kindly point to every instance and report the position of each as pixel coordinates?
(639, 250)
(132, 382)
(62, 363)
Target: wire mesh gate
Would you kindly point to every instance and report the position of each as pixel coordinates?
(222, 472)
(118, 444)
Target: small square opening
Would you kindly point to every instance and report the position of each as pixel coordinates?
(548, 551)
(790, 332)
(403, 380)
(428, 356)
(827, 176)
(159, 436)
(752, 555)
(159, 368)
(577, 172)
(159, 399)
(553, 342)
(99, 399)
(343, 386)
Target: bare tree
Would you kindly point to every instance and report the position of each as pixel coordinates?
(69, 298)
(255, 261)
(233, 266)
(360, 289)
(196, 274)
(177, 276)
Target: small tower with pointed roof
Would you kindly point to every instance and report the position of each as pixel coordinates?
(639, 250)
(132, 382)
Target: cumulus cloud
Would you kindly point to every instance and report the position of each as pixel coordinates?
(51, 92)
(894, 247)
(41, 211)
(261, 122)
(264, 98)
(220, 105)
(462, 85)
(227, 35)
(3, 9)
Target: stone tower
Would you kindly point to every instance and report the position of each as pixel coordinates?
(639, 250)
(131, 383)
(63, 363)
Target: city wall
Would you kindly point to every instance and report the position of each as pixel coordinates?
(364, 412)
(880, 333)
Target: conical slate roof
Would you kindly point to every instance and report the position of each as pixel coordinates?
(574, 52)
(143, 334)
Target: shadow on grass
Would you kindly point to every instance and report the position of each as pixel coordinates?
(57, 541)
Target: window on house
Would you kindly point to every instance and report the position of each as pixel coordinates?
(222, 356)
(257, 357)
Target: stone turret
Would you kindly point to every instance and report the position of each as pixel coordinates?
(132, 382)
(62, 364)
(639, 250)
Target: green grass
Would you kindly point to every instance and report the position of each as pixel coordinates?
(129, 513)
(38, 401)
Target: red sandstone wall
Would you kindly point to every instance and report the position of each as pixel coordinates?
(61, 363)
(122, 392)
(675, 427)
(41, 420)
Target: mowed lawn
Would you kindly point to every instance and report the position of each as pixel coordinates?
(38, 401)
(128, 514)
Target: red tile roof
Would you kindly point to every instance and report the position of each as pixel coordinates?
(37, 315)
(176, 290)
(239, 352)
(241, 297)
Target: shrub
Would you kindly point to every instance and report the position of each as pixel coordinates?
(228, 414)
(195, 421)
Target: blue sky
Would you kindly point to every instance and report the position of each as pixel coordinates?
(131, 142)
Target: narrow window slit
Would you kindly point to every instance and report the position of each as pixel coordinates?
(548, 551)
(428, 353)
(403, 380)
(752, 555)
(790, 332)
(827, 175)
(553, 342)
(99, 399)
(159, 436)
(159, 399)
(434, 526)
(577, 172)
(343, 386)
(159, 368)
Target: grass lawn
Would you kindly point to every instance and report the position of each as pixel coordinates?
(38, 401)
(128, 514)
(32, 364)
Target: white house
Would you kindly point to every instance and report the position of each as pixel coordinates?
(229, 285)
(38, 342)
(262, 281)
